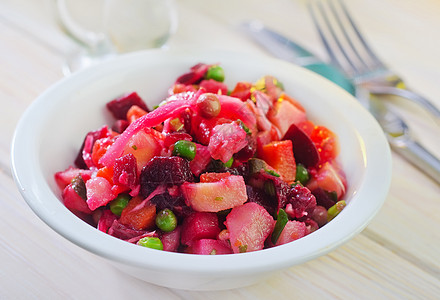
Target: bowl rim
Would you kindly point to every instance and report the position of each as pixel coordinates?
(56, 216)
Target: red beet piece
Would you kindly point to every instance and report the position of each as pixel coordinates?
(171, 240)
(120, 125)
(91, 137)
(213, 86)
(120, 106)
(302, 200)
(123, 232)
(194, 76)
(323, 198)
(199, 225)
(125, 171)
(304, 150)
(172, 170)
(209, 247)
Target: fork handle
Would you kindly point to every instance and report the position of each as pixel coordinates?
(419, 157)
(408, 94)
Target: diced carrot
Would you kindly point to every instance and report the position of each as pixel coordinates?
(279, 155)
(100, 148)
(107, 173)
(138, 214)
(134, 113)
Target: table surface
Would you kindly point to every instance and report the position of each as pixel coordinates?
(396, 257)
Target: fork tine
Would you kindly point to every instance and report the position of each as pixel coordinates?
(331, 38)
(334, 60)
(373, 57)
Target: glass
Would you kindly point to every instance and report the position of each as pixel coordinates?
(105, 28)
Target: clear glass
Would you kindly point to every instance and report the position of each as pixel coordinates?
(105, 28)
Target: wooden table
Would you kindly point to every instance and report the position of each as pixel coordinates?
(396, 257)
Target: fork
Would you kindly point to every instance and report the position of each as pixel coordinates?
(349, 51)
(365, 75)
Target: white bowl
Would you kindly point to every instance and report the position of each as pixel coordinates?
(50, 132)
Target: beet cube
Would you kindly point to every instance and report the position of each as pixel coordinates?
(199, 225)
(304, 150)
(172, 170)
(125, 171)
(120, 106)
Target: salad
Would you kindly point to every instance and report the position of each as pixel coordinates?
(210, 170)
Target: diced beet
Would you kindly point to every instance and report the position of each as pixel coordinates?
(213, 86)
(172, 170)
(73, 201)
(171, 240)
(304, 149)
(249, 225)
(125, 171)
(273, 187)
(209, 247)
(106, 220)
(120, 125)
(120, 106)
(323, 198)
(258, 196)
(199, 225)
(302, 200)
(292, 231)
(99, 192)
(226, 139)
(87, 146)
(247, 151)
(174, 202)
(201, 160)
(194, 76)
(123, 232)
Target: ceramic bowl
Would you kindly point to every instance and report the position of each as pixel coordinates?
(50, 132)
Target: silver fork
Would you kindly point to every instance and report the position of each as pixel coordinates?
(349, 51)
(365, 74)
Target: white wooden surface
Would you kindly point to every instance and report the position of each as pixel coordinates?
(396, 257)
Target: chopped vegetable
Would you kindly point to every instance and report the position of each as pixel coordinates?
(166, 220)
(151, 242)
(282, 219)
(207, 173)
(185, 149)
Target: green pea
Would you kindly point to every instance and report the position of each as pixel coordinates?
(166, 220)
(302, 174)
(185, 149)
(333, 211)
(119, 203)
(151, 242)
(281, 222)
(216, 73)
(229, 163)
